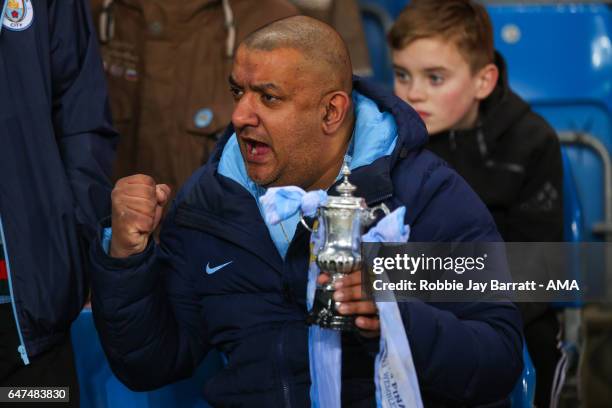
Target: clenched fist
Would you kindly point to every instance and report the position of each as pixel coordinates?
(137, 209)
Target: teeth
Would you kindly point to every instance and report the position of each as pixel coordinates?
(254, 150)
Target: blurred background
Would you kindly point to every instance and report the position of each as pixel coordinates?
(167, 65)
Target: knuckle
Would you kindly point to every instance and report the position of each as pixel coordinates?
(149, 193)
(151, 206)
(148, 180)
(116, 194)
(148, 224)
(122, 181)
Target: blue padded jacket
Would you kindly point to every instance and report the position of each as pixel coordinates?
(159, 312)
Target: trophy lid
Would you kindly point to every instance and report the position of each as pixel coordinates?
(346, 190)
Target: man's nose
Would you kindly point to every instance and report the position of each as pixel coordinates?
(244, 113)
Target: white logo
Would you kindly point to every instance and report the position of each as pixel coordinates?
(18, 15)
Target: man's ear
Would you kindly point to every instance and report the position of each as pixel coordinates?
(335, 108)
(486, 79)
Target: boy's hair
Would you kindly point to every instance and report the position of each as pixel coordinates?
(464, 22)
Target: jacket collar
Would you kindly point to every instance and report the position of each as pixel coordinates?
(374, 182)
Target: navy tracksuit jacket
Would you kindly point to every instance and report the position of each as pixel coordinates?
(56, 151)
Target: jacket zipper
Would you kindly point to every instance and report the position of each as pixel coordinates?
(21, 349)
(284, 383)
(193, 221)
(2, 10)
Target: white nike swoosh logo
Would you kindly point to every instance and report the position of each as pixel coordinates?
(210, 270)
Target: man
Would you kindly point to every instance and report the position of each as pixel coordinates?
(56, 148)
(221, 277)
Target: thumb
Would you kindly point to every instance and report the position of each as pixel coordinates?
(162, 193)
(322, 279)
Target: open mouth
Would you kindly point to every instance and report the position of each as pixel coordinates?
(256, 151)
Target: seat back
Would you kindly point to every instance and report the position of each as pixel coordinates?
(560, 60)
(377, 17)
(99, 388)
(573, 224)
(524, 391)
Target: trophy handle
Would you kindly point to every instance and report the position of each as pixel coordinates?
(382, 207)
(305, 224)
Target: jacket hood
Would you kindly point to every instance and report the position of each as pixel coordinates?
(411, 130)
(503, 108)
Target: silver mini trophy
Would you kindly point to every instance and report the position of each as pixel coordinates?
(343, 219)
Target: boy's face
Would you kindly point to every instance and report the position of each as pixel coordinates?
(434, 78)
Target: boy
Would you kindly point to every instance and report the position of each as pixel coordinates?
(446, 68)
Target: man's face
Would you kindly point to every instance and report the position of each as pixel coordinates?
(434, 78)
(277, 116)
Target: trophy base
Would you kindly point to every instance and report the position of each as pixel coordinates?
(324, 313)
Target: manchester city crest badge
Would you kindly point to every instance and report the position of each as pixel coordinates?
(18, 15)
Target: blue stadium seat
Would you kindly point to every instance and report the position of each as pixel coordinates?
(560, 60)
(524, 392)
(391, 7)
(377, 17)
(99, 388)
(573, 228)
(377, 21)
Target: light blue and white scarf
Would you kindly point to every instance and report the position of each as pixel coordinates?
(395, 376)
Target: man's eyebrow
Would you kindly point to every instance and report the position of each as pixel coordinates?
(233, 82)
(268, 86)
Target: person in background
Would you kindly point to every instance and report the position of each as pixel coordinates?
(345, 17)
(56, 151)
(446, 68)
(222, 277)
(167, 64)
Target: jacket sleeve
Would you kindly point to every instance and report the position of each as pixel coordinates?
(464, 353)
(537, 215)
(147, 313)
(81, 117)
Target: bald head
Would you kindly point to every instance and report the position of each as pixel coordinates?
(321, 46)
